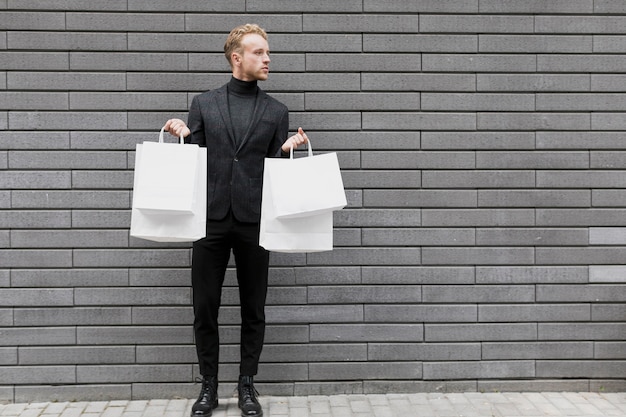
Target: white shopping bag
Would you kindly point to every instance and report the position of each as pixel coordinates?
(313, 233)
(176, 212)
(165, 176)
(309, 185)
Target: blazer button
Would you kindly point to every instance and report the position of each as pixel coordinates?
(236, 159)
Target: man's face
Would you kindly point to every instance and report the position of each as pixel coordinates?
(254, 63)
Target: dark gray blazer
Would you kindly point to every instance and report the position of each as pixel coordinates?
(235, 174)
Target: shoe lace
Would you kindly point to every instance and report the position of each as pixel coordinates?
(206, 386)
(249, 392)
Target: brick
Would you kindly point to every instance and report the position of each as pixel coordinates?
(127, 61)
(361, 101)
(9, 356)
(37, 336)
(537, 6)
(534, 82)
(580, 63)
(577, 256)
(35, 179)
(16, 20)
(132, 296)
(125, 22)
(532, 237)
(607, 273)
(608, 44)
(6, 317)
(359, 62)
(170, 42)
(175, 81)
(44, 393)
(67, 160)
(35, 219)
(607, 160)
(480, 332)
(34, 140)
(415, 275)
(580, 369)
(107, 141)
(608, 6)
(593, 102)
(420, 313)
(432, 23)
(479, 63)
(315, 352)
(423, 351)
(478, 370)
(607, 82)
(535, 44)
(5, 277)
(360, 23)
(418, 237)
(69, 5)
(379, 256)
(532, 160)
(533, 121)
(607, 121)
(413, 82)
(419, 198)
(374, 218)
(420, 43)
(534, 313)
(66, 81)
(132, 373)
(580, 217)
(537, 350)
(580, 140)
(478, 179)
(160, 335)
(149, 277)
(12, 60)
(477, 217)
(326, 275)
(422, 6)
(578, 24)
(37, 297)
(31, 100)
(534, 198)
(478, 102)
(478, 140)
(128, 101)
(610, 350)
(101, 219)
(326, 120)
(166, 354)
(16, 258)
(607, 236)
(314, 314)
(102, 179)
(68, 239)
(478, 294)
(365, 370)
(300, 6)
(608, 198)
(69, 278)
(366, 332)
(24, 375)
(219, 22)
(71, 316)
(66, 120)
(68, 41)
(281, 62)
(381, 179)
(70, 199)
(186, 5)
(162, 315)
(477, 256)
(580, 293)
(363, 294)
(418, 121)
(64, 355)
(608, 312)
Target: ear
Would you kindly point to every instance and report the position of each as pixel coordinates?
(235, 58)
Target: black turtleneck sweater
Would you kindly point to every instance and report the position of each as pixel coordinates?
(241, 101)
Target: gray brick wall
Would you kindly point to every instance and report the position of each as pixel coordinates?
(483, 149)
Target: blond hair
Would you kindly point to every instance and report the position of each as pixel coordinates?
(233, 42)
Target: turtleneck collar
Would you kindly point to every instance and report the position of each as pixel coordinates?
(242, 88)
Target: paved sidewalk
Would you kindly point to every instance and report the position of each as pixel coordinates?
(390, 405)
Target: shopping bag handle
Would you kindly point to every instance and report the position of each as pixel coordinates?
(182, 139)
(308, 145)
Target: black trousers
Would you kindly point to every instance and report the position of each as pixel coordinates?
(209, 261)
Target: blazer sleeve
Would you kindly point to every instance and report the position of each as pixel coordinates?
(195, 123)
(281, 134)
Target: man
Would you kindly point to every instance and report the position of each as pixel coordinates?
(240, 126)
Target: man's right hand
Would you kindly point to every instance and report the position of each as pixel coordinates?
(177, 127)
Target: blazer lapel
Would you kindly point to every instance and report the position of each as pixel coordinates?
(222, 104)
(259, 109)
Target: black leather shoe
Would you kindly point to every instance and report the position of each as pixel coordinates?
(207, 401)
(248, 402)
